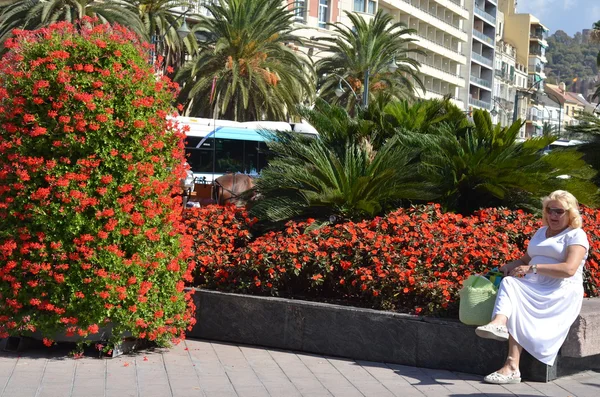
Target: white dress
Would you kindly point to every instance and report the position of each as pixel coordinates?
(541, 309)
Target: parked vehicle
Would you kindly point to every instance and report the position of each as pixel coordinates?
(217, 147)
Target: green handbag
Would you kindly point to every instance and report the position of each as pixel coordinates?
(477, 298)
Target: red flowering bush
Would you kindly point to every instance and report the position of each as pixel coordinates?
(90, 226)
(411, 260)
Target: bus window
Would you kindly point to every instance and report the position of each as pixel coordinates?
(231, 155)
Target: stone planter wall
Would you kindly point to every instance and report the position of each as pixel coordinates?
(356, 333)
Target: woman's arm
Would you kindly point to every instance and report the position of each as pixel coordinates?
(568, 268)
(509, 267)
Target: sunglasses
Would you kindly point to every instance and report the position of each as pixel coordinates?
(555, 211)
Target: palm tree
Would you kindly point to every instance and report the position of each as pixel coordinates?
(549, 130)
(34, 14)
(368, 47)
(160, 27)
(246, 69)
(153, 20)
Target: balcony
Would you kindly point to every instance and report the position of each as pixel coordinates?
(455, 7)
(441, 49)
(427, 17)
(479, 103)
(434, 71)
(504, 75)
(481, 82)
(483, 37)
(484, 15)
(483, 60)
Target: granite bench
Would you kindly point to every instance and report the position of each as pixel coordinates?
(584, 337)
(365, 334)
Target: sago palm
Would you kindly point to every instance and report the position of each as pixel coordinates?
(484, 166)
(308, 179)
(368, 46)
(246, 69)
(338, 173)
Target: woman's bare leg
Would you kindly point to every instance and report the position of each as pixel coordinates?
(511, 365)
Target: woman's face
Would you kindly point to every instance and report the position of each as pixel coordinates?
(557, 216)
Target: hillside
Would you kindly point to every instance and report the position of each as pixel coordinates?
(570, 58)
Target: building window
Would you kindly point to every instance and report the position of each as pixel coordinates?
(323, 13)
(300, 10)
(372, 7)
(359, 5)
(369, 6)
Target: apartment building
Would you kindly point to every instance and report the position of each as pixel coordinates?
(510, 79)
(528, 35)
(441, 35)
(480, 48)
(504, 77)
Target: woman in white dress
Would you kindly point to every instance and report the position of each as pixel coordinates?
(541, 297)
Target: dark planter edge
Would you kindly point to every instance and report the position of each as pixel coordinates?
(357, 333)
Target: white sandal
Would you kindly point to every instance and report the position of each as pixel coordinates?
(499, 379)
(492, 331)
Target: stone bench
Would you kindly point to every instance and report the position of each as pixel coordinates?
(371, 335)
(584, 337)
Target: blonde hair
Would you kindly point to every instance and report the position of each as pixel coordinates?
(568, 201)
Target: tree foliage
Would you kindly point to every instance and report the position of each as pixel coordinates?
(570, 58)
(360, 166)
(368, 46)
(246, 69)
(153, 20)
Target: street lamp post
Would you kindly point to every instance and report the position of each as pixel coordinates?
(366, 90)
(528, 91)
(182, 32)
(392, 67)
(555, 99)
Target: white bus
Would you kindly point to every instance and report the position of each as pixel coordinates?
(216, 147)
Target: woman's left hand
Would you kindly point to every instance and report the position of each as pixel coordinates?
(520, 271)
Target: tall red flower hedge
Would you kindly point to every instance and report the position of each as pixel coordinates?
(90, 226)
(411, 260)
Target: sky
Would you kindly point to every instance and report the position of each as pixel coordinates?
(571, 16)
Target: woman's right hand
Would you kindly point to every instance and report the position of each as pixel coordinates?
(509, 267)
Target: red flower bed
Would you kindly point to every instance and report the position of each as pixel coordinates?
(90, 226)
(411, 260)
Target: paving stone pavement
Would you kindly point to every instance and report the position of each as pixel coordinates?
(204, 368)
